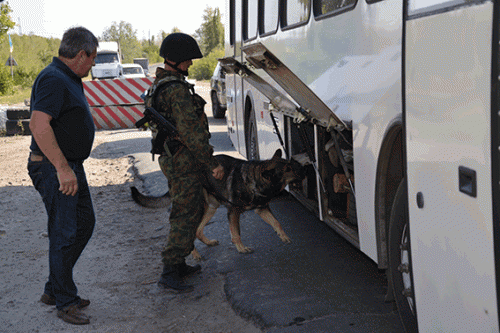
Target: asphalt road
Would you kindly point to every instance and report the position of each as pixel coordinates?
(318, 283)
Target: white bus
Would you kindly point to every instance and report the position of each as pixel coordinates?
(394, 103)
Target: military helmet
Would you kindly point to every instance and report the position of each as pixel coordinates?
(179, 47)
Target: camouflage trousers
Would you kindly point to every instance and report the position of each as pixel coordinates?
(188, 206)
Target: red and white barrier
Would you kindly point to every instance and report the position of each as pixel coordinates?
(116, 103)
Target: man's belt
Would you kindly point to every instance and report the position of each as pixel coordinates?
(38, 156)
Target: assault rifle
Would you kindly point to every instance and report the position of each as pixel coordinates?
(165, 129)
(168, 130)
(151, 115)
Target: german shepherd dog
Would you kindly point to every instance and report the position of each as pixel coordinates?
(246, 185)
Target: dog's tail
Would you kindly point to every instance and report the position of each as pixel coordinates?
(149, 201)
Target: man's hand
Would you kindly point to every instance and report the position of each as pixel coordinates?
(68, 184)
(218, 172)
(46, 140)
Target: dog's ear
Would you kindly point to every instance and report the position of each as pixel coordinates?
(277, 154)
(273, 162)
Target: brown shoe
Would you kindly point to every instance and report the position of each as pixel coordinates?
(73, 315)
(50, 300)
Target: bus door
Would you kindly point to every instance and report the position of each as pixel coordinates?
(449, 150)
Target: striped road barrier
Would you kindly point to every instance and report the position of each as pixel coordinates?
(116, 103)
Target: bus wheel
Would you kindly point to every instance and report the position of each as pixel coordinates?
(251, 136)
(400, 265)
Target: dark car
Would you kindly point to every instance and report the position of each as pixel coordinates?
(218, 92)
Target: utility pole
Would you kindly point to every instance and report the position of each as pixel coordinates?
(11, 59)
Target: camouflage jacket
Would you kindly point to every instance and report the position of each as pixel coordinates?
(184, 109)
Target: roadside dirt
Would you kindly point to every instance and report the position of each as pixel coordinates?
(119, 268)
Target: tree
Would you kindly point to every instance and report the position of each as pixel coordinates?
(151, 51)
(203, 68)
(5, 22)
(126, 36)
(210, 35)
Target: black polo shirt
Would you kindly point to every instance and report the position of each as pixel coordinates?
(58, 92)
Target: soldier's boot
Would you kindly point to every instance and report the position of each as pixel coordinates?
(170, 278)
(185, 270)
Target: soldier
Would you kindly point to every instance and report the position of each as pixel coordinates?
(184, 158)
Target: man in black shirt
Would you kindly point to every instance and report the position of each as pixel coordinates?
(63, 133)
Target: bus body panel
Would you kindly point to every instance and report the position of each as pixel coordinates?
(373, 90)
(230, 78)
(234, 94)
(267, 136)
(448, 112)
(352, 62)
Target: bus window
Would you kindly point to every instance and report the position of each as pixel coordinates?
(427, 6)
(250, 20)
(296, 12)
(269, 23)
(325, 7)
(231, 22)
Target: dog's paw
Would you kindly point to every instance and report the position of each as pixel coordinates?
(243, 249)
(284, 238)
(212, 242)
(196, 255)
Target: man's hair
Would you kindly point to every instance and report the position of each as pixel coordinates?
(76, 39)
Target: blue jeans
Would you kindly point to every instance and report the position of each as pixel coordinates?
(71, 221)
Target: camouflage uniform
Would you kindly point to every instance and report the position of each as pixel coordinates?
(178, 105)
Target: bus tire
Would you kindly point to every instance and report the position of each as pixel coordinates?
(252, 144)
(217, 111)
(400, 265)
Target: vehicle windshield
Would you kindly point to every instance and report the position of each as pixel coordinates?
(103, 58)
(132, 70)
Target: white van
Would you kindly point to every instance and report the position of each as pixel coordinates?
(108, 62)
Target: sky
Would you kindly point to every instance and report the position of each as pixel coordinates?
(50, 18)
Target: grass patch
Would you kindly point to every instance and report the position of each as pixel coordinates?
(17, 97)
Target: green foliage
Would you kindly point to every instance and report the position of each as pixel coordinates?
(6, 82)
(202, 69)
(5, 22)
(126, 36)
(210, 35)
(45, 57)
(151, 51)
(18, 96)
(24, 77)
(32, 53)
(28, 62)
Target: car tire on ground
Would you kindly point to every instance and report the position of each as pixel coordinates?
(17, 127)
(217, 111)
(16, 114)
